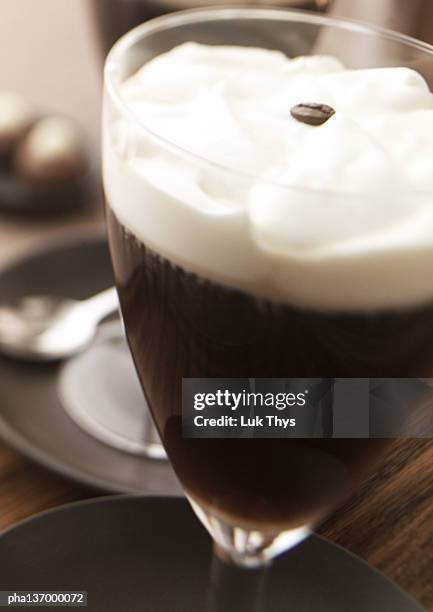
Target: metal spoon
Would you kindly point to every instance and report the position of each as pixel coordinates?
(43, 328)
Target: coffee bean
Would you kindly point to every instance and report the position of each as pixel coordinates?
(312, 113)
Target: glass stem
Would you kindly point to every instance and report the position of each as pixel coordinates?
(233, 588)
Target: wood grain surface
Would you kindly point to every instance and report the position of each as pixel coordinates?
(388, 522)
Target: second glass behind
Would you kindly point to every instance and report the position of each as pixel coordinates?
(200, 297)
(116, 17)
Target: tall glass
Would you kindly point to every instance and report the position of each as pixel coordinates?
(198, 302)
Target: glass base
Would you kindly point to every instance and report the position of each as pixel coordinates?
(99, 390)
(249, 549)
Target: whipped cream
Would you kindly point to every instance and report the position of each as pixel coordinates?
(337, 216)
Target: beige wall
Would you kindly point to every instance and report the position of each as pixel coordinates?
(49, 53)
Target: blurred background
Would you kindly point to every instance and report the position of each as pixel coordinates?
(51, 59)
(52, 50)
(52, 53)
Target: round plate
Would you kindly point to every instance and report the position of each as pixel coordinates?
(32, 418)
(152, 554)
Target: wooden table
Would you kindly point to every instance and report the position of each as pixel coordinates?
(389, 522)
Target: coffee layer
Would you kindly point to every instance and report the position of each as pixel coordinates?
(179, 325)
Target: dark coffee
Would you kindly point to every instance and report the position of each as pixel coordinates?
(180, 325)
(116, 17)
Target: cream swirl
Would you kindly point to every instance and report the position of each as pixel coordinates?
(337, 216)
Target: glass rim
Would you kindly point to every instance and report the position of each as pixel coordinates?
(215, 13)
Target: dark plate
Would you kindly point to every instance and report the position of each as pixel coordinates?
(151, 554)
(18, 197)
(32, 418)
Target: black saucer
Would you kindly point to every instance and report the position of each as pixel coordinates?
(151, 554)
(20, 198)
(32, 418)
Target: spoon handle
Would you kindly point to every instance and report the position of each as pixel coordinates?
(101, 305)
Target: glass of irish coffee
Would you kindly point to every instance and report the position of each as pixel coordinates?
(269, 179)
